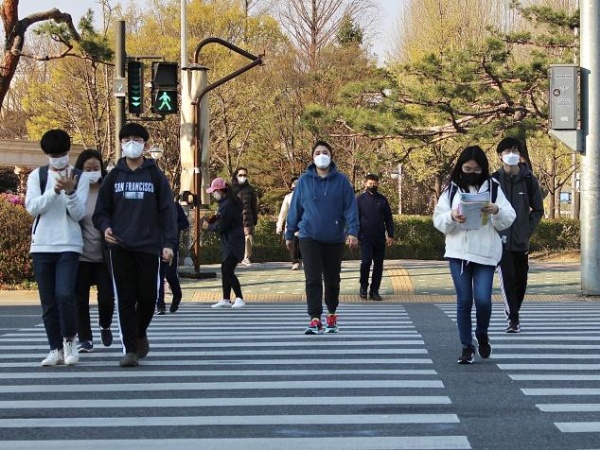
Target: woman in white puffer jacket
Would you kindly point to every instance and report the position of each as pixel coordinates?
(473, 251)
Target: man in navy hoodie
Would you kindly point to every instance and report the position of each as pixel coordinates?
(375, 231)
(323, 212)
(136, 215)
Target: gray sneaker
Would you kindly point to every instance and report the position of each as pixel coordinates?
(129, 360)
(143, 347)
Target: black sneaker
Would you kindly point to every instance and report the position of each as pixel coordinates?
(143, 347)
(484, 347)
(161, 312)
(106, 337)
(513, 327)
(375, 296)
(467, 356)
(363, 293)
(129, 360)
(85, 347)
(174, 305)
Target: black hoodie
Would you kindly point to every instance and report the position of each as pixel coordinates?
(138, 206)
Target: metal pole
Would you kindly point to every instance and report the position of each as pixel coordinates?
(400, 189)
(183, 28)
(590, 164)
(120, 58)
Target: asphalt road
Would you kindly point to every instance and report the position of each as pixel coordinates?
(250, 379)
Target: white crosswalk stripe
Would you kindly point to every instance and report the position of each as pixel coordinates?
(562, 341)
(209, 371)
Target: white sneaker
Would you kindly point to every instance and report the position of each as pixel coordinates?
(222, 304)
(246, 262)
(239, 303)
(54, 358)
(296, 266)
(71, 357)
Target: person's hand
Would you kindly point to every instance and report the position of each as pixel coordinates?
(289, 245)
(389, 241)
(352, 242)
(167, 255)
(110, 237)
(490, 208)
(205, 224)
(66, 182)
(278, 230)
(457, 217)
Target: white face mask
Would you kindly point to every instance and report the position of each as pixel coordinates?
(511, 159)
(322, 161)
(217, 195)
(93, 176)
(241, 180)
(59, 163)
(132, 149)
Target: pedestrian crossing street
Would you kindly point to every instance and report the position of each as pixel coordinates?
(555, 359)
(250, 379)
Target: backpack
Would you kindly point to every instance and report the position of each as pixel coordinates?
(494, 184)
(43, 173)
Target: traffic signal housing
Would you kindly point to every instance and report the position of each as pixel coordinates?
(135, 87)
(164, 87)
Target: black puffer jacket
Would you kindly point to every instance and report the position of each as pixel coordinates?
(523, 192)
(247, 196)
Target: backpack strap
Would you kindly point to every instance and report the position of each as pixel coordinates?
(43, 173)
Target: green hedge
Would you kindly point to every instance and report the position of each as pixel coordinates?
(416, 238)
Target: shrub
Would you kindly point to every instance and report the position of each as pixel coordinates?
(15, 263)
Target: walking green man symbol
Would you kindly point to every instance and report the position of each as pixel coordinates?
(165, 102)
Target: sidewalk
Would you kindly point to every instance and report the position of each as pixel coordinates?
(403, 281)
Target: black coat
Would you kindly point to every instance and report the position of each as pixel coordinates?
(247, 196)
(229, 225)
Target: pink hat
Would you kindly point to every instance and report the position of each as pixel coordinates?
(216, 185)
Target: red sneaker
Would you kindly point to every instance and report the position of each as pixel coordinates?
(315, 327)
(331, 324)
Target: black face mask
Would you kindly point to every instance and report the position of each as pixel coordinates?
(372, 189)
(472, 179)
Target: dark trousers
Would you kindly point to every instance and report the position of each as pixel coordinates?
(514, 268)
(136, 277)
(371, 251)
(322, 266)
(93, 274)
(55, 274)
(295, 254)
(229, 280)
(169, 272)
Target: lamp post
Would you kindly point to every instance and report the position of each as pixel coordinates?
(156, 151)
(398, 176)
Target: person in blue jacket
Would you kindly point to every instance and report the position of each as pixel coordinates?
(136, 214)
(324, 213)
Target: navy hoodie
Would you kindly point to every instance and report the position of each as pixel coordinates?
(375, 217)
(138, 206)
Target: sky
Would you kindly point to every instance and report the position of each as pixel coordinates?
(388, 11)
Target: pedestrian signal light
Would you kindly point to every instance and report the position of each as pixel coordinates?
(164, 101)
(135, 87)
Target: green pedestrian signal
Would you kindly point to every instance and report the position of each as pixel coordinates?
(135, 87)
(164, 101)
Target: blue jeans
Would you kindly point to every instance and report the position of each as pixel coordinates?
(472, 282)
(56, 274)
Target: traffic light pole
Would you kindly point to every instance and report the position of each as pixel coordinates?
(120, 58)
(200, 139)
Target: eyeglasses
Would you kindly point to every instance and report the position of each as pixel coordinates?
(139, 140)
(467, 169)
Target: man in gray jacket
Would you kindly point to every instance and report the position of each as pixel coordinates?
(522, 190)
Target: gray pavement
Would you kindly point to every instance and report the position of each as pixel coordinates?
(403, 281)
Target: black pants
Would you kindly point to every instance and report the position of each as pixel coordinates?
(136, 277)
(169, 272)
(93, 274)
(295, 254)
(229, 280)
(371, 251)
(514, 267)
(322, 266)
